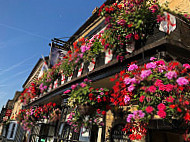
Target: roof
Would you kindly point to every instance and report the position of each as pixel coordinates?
(33, 71)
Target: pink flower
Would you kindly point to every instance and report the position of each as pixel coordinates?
(127, 80)
(187, 66)
(170, 99)
(83, 48)
(171, 74)
(182, 81)
(131, 88)
(126, 99)
(154, 8)
(152, 89)
(86, 80)
(141, 99)
(145, 73)
(149, 109)
(151, 65)
(81, 55)
(160, 62)
(152, 58)
(138, 114)
(73, 87)
(83, 85)
(161, 106)
(67, 91)
(132, 67)
(158, 82)
(129, 117)
(162, 68)
(161, 113)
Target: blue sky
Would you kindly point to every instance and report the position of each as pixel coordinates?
(26, 29)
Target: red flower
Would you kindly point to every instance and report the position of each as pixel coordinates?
(136, 36)
(170, 99)
(161, 113)
(172, 106)
(90, 95)
(152, 89)
(104, 99)
(99, 100)
(103, 112)
(98, 111)
(186, 103)
(187, 116)
(130, 25)
(141, 99)
(111, 9)
(179, 110)
(149, 109)
(54, 104)
(161, 106)
(119, 6)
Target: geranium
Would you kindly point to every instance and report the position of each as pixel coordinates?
(170, 99)
(161, 113)
(171, 74)
(182, 81)
(145, 73)
(151, 65)
(84, 96)
(29, 117)
(161, 106)
(121, 33)
(153, 92)
(132, 67)
(149, 109)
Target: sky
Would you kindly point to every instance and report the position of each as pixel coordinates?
(26, 29)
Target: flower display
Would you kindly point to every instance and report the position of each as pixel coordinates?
(29, 117)
(88, 104)
(163, 93)
(129, 22)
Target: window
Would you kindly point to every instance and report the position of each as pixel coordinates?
(12, 130)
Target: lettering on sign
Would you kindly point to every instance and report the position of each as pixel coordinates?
(117, 135)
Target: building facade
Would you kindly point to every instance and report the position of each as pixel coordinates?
(173, 46)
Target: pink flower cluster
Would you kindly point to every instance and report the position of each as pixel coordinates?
(84, 48)
(145, 73)
(182, 81)
(136, 115)
(132, 67)
(171, 74)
